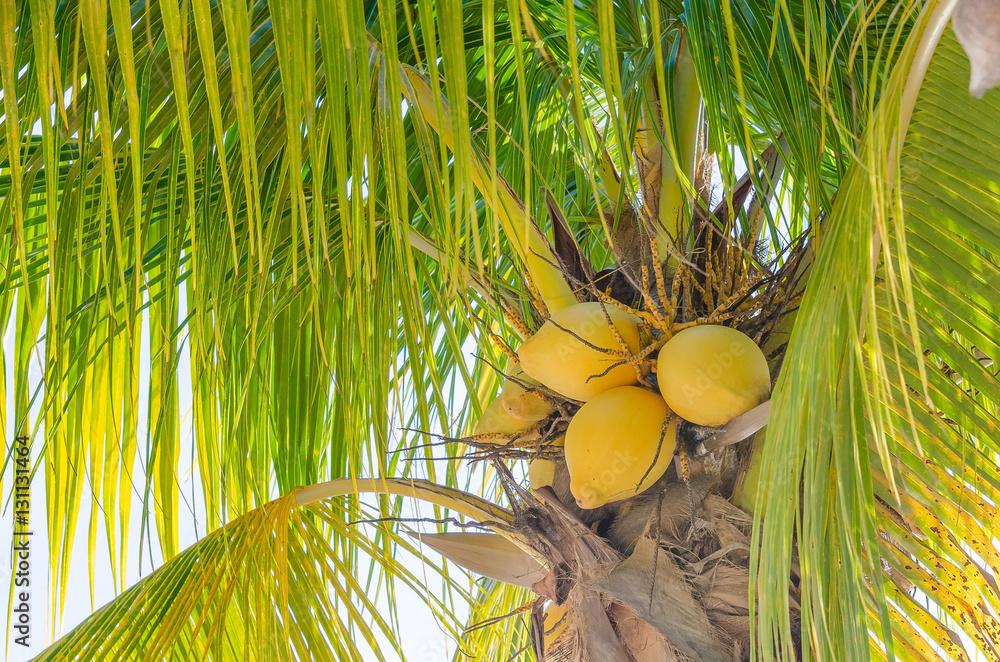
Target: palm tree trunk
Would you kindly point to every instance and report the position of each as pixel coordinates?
(666, 580)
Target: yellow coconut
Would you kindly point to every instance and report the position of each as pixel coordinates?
(496, 421)
(541, 473)
(617, 447)
(521, 402)
(711, 374)
(556, 357)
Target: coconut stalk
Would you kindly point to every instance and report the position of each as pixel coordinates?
(681, 140)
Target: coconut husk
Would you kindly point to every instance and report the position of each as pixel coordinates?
(652, 585)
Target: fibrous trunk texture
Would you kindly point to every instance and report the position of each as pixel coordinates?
(662, 577)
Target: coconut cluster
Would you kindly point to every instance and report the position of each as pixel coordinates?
(623, 437)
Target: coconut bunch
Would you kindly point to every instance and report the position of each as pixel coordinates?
(617, 415)
(629, 406)
(655, 357)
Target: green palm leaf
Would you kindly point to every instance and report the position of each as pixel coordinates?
(914, 465)
(271, 584)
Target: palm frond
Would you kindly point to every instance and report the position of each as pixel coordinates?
(189, 224)
(271, 584)
(893, 442)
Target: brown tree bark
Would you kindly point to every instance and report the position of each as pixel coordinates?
(661, 577)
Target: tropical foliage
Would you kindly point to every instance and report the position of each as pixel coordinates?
(339, 217)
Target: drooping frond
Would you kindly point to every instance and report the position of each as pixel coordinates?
(168, 192)
(271, 585)
(887, 410)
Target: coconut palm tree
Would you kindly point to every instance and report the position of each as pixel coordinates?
(344, 220)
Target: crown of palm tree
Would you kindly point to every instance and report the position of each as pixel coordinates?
(343, 218)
